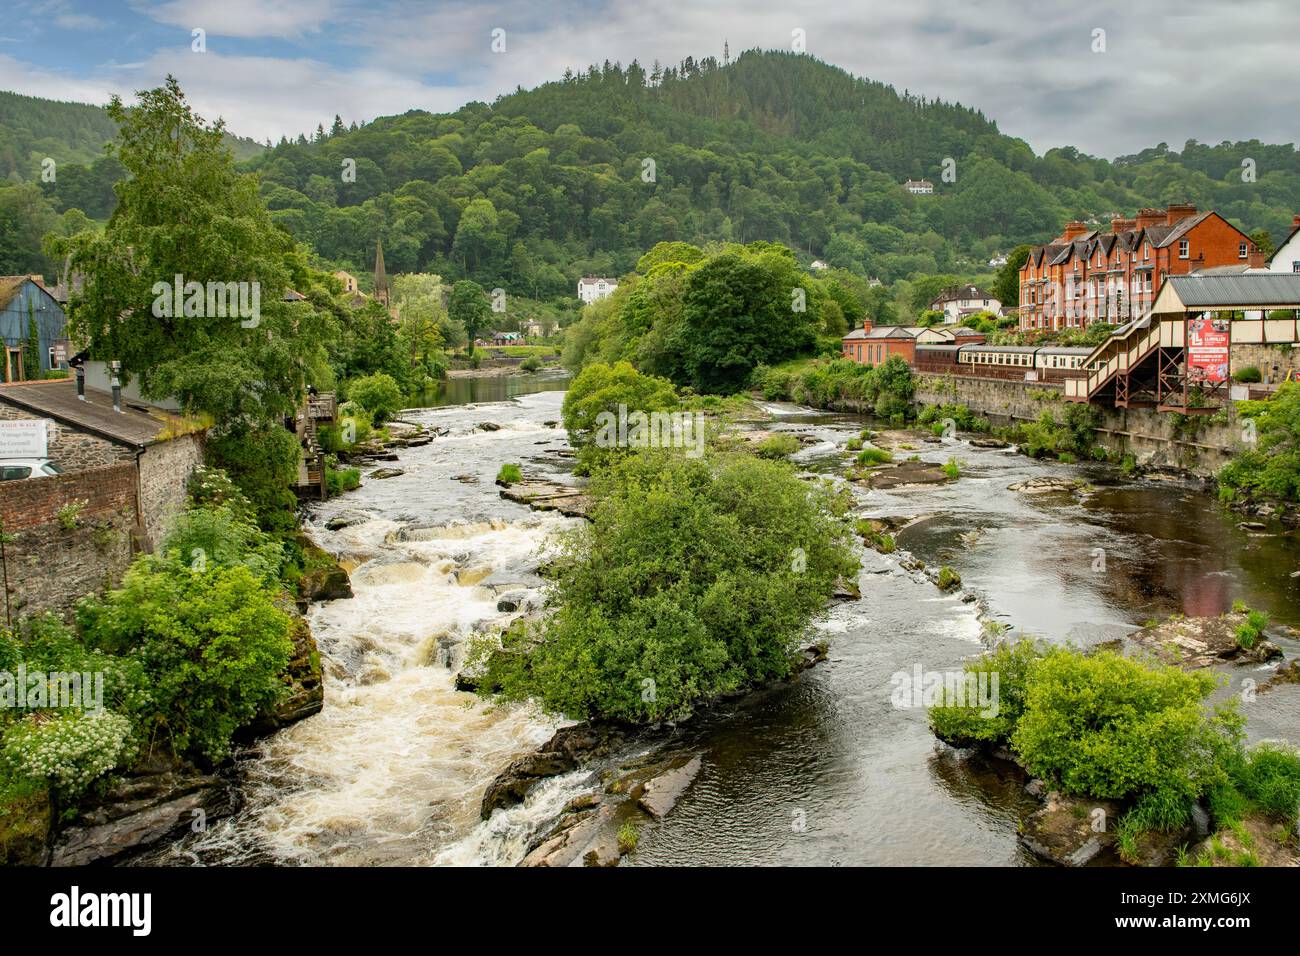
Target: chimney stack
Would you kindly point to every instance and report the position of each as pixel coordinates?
(866, 324)
(1073, 230)
(1295, 222)
(1149, 217)
(1177, 211)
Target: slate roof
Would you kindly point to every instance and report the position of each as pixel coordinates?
(137, 425)
(1250, 289)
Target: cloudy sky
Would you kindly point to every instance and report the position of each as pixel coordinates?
(1108, 76)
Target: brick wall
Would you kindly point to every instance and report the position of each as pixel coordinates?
(49, 566)
(36, 501)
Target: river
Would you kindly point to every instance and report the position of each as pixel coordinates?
(823, 770)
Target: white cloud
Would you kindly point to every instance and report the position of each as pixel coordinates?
(1173, 69)
(284, 19)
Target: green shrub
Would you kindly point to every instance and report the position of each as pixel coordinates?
(874, 456)
(530, 364)
(510, 474)
(853, 444)
(962, 722)
(696, 577)
(1271, 469)
(952, 469)
(223, 534)
(595, 396)
(263, 463)
(1249, 373)
(339, 480)
(949, 580)
(212, 645)
(1269, 777)
(779, 445)
(1252, 629)
(1107, 726)
(379, 394)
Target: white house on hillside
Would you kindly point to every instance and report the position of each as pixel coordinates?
(960, 301)
(594, 288)
(1287, 256)
(919, 187)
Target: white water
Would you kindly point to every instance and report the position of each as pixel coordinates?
(393, 769)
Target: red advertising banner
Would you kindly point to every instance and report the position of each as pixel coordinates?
(1207, 351)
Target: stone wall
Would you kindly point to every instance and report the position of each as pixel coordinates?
(1264, 357)
(165, 469)
(1198, 444)
(73, 450)
(50, 565)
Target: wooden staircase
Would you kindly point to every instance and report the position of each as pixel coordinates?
(1127, 368)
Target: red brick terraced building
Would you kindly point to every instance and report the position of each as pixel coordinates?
(1086, 275)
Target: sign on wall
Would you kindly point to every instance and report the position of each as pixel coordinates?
(1208, 341)
(24, 438)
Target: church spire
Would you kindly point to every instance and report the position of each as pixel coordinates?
(381, 277)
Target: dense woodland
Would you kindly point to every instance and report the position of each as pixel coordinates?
(545, 185)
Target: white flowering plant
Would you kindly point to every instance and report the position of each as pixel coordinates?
(68, 752)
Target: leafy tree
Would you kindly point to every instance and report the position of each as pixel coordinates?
(377, 394)
(741, 311)
(185, 210)
(1006, 287)
(469, 309)
(601, 390)
(683, 588)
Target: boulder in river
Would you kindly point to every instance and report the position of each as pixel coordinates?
(549, 496)
(1047, 485)
(381, 473)
(1194, 642)
(1070, 831)
(568, 749)
(143, 808)
(489, 427)
(661, 793)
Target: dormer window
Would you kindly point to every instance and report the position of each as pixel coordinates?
(1146, 251)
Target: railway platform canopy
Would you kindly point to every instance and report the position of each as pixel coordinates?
(1178, 356)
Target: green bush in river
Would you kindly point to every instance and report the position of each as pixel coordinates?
(695, 577)
(1107, 726)
(777, 446)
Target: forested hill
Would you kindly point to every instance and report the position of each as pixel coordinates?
(582, 175)
(546, 184)
(32, 129)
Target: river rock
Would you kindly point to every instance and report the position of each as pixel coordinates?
(346, 519)
(549, 496)
(140, 810)
(489, 427)
(988, 443)
(1045, 485)
(1069, 831)
(903, 474)
(304, 695)
(569, 748)
(1202, 642)
(381, 473)
(662, 792)
(323, 578)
